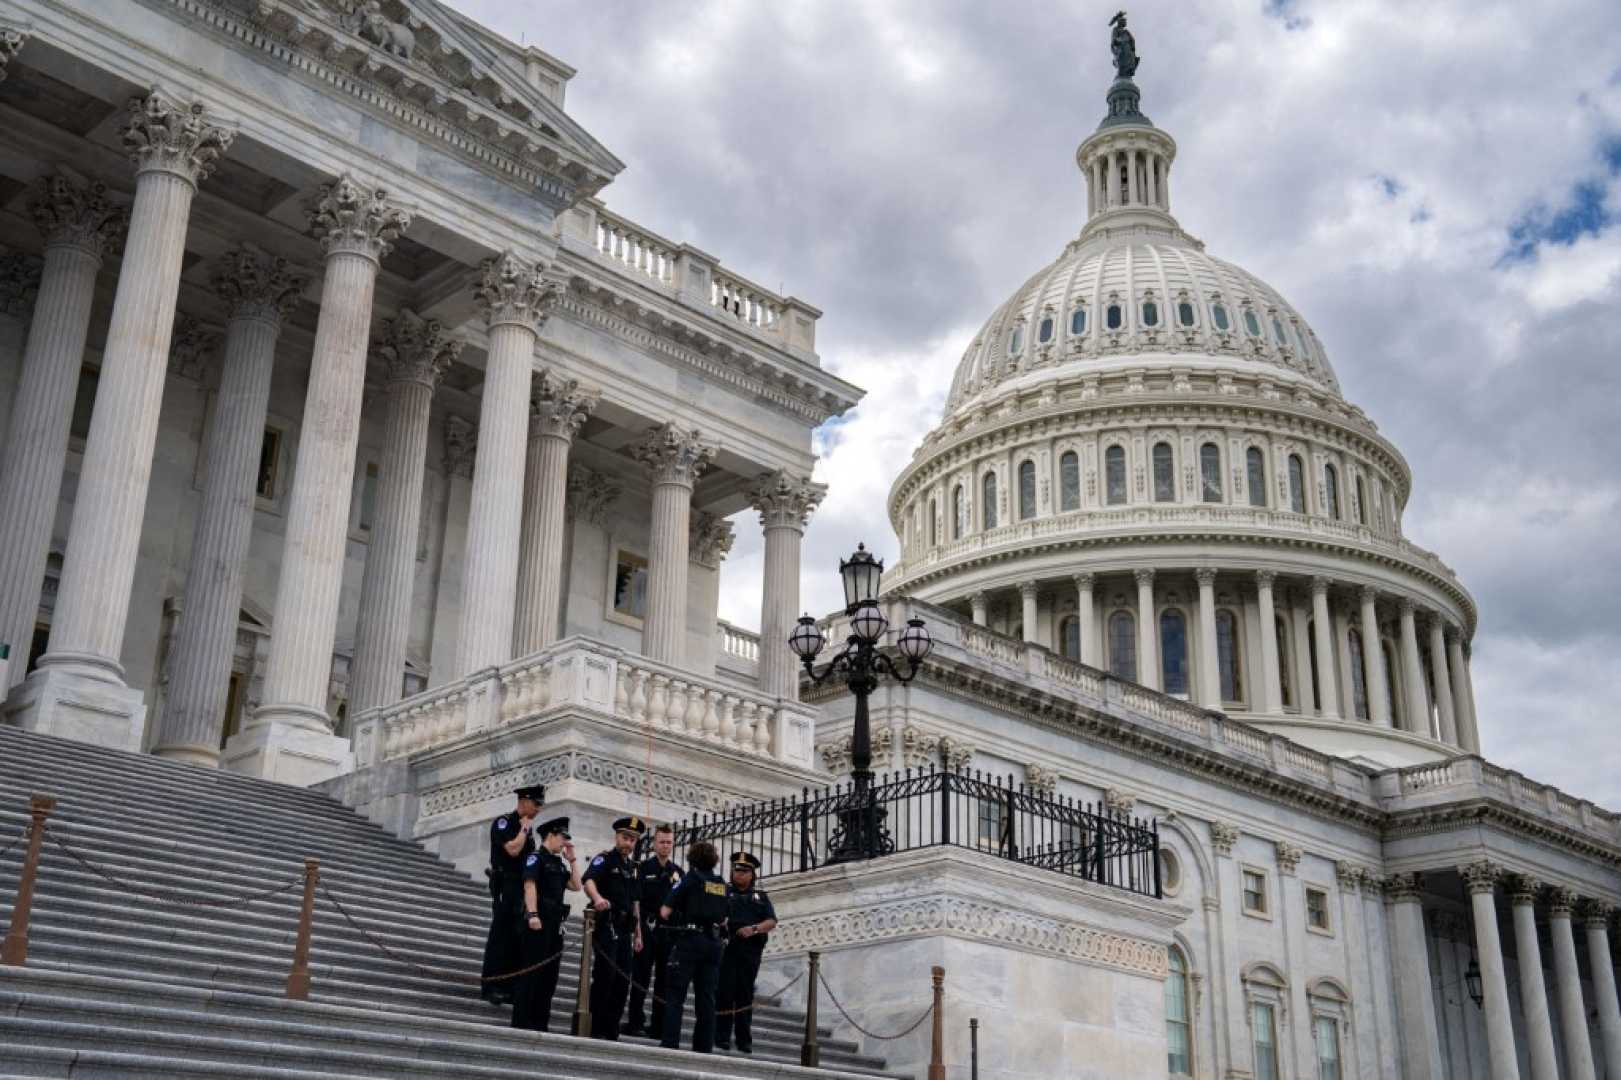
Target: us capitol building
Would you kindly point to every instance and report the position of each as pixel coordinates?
(348, 438)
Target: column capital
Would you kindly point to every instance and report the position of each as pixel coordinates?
(1562, 901)
(589, 494)
(1084, 581)
(1481, 876)
(1223, 835)
(558, 406)
(192, 348)
(416, 350)
(1119, 801)
(167, 135)
(1406, 606)
(1523, 890)
(674, 456)
(1596, 914)
(709, 539)
(461, 447)
(979, 597)
(1265, 578)
(351, 219)
(510, 290)
(1368, 594)
(1453, 635)
(1204, 575)
(1027, 590)
(784, 500)
(1144, 576)
(1289, 856)
(11, 43)
(1319, 586)
(1349, 875)
(74, 214)
(1402, 888)
(19, 282)
(256, 286)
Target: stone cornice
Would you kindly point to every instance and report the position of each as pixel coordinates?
(1482, 811)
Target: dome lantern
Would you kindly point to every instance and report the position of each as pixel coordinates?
(1126, 162)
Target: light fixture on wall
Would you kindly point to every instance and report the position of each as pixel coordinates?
(1471, 979)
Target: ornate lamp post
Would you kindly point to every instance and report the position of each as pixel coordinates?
(861, 834)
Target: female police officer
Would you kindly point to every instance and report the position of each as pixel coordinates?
(696, 914)
(547, 873)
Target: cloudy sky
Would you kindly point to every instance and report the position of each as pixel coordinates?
(1436, 187)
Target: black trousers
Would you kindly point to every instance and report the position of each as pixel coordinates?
(652, 963)
(738, 970)
(532, 1005)
(501, 946)
(613, 951)
(694, 961)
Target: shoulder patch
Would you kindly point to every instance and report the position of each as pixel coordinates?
(532, 860)
(500, 823)
(597, 861)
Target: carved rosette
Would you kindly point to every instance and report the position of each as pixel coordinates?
(1288, 857)
(461, 446)
(416, 350)
(79, 215)
(165, 135)
(192, 348)
(256, 286)
(1481, 877)
(674, 456)
(1349, 876)
(784, 500)
(1523, 890)
(709, 539)
(589, 494)
(1040, 780)
(19, 282)
(11, 43)
(1118, 802)
(510, 290)
(1223, 835)
(1596, 914)
(1402, 888)
(349, 219)
(558, 406)
(1562, 902)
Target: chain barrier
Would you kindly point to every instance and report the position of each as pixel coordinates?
(172, 898)
(928, 1012)
(432, 973)
(648, 991)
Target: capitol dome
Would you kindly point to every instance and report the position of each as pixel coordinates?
(1146, 464)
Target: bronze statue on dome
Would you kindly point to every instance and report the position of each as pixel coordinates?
(1124, 47)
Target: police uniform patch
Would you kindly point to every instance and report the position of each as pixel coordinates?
(501, 823)
(533, 859)
(597, 861)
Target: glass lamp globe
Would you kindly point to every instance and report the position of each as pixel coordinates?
(807, 640)
(860, 573)
(915, 642)
(867, 622)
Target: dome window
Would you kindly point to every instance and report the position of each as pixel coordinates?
(1113, 317)
(1150, 313)
(1184, 313)
(1218, 315)
(1251, 323)
(1277, 332)
(1044, 333)
(1015, 341)
(1077, 321)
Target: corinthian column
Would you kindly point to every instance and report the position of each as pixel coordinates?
(1597, 920)
(1027, 610)
(1327, 652)
(557, 408)
(1086, 616)
(1463, 701)
(1148, 673)
(19, 287)
(79, 225)
(356, 227)
(1568, 980)
(1533, 992)
(785, 503)
(1373, 660)
(515, 298)
(1420, 1044)
(1209, 677)
(1481, 879)
(674, 460)
(1441, 684)
(1412, 672)
(417, 353)
(258, 292)
(1271, 670)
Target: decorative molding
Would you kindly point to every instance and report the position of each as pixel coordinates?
(166, 135)
(1223, 835)
(709, 539)
(354, 220)
(590, 494)
(1118, 802)
(11, 43)
(461, 446)
(1288, 857)
(19, 283)
(630, 779)
(416, 349)
(1596, 914)
(494, 785)
(1040, 780)
(192, 348)
(836, 753)
(1403, 888)
(509, 290)
(1481, 877)
(1349, 875)
(1562, 901)
(1523, 890)
(558, 406)
(79, 215)
(784, 500)
(674, 456)
(256, 286)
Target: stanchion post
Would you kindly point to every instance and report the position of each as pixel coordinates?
(582, 1001)
(15, 950)
(298, 979)
(810, 1052)
(937, 1054)
(973, 1048)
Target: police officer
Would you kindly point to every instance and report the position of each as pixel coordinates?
(656, 875)
(610, 885)
(510, 844)
(695, 912)
(547, 874)
(749, 918)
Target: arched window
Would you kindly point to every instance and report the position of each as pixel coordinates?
(1114, 469)
(959, 512)
(1113, 317)
(1178, 1017)
(987, 505)
(1359, 682)
(1015, 341)
(1210, 471)
(1361, 502)
(1184, 313)
(934, 524)
(1286, 684)
(1297, 484)
(1173, 650)
(1255, 475)
(1150, 313)
(1331, 487)
(1251, 323)
(1232, 687)
(1069, 637)
(1277, 331)
(1069, 481)
(1218, 315)
(1164, 473)
(1044, 332)
(1077, 321)
(1123, 645)
(1027, 490)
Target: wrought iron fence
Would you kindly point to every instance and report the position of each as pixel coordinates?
(999, 816)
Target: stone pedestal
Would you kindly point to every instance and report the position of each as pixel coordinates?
(288, 753)
(61, 703)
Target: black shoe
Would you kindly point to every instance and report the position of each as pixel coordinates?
(632, 1029)
(655, 1034)
(723, 1046)
(749, 1049)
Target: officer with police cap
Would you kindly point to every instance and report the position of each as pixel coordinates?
(610, 885)
(749, 918)
(511, 842)
(547, 874)
(695, 912)
(656, 875)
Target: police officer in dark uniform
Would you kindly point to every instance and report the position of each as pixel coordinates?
(610, 884)
(695, 912)
(510, 844)
(547, 874)
(656, 875)
(749, 918)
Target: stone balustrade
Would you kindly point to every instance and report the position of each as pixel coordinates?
(746, 302)
(737, 642)
(1459, 778)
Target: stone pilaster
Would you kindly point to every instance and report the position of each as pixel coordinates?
(1480, 879)
(1420, 1046)
(674, 460)
(1028, 612)
(515, 298)
(1086, 616)
(1596, 916)
(1533, 991)
(356, 226)
(79, 224)
(1441, 684)
(1209, 688)
(1373, 660)
(417, 352)
(785, 503)
(1271, 670)
(1327, 652)
(1148, 673)
(1568, 985)
(558, 407)
(258, 292)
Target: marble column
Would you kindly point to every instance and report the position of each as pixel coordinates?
(1327, 650)
(1148, 673)
(1209, 674)
(417, 353)
(1086, 618)
(19, 287)
(456, 500)
(1300, 652)
(1412, 669)
(174, 147)
(356, 226)
(674, 460)
(1028, 612)
(1271, 669)
(1441, 682)
(1533, 991)
(79, 225)
(1373, 660)
(258, 293)
(516, 300)
(1472, 733)
(979, 604)
(785, 503)
(1463, 705)
(557, 408)
(1596, 919)
(1420, 1041)
(1568, 985)
(1480, 879)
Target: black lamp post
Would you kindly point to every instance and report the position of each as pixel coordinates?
(861, 833)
